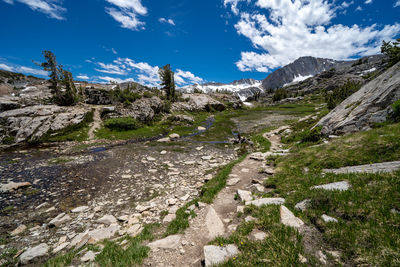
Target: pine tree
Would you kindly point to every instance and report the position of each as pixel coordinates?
(168, 81)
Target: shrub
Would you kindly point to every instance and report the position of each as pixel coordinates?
(339, 94)
(396, 111)
(392, 50)
(122, 124)
(280, 94)
(147, 94)
(313, 135)
(124, 96)
(166, 107)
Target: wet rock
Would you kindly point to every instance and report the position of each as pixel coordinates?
(80, 209)
(303, 205)
(32, 253)
(18, 230)
(328, 219)
(215, 255)
(170, 242)
(59, 220)
(266, 201)
(244, 195)
(214, 224)
(13, 186)
(107, 219)
(340, 186)
(288, 218)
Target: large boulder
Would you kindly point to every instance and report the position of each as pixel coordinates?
(143, 109)
(371, 104)
(198, 102)
(31, 123)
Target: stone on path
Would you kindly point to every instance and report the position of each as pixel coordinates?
(303, 205)
(328, 219)
(80, 209)
(245, 170)
(170, 242)
(18, 230)
(370, 168)
(266, 201)
(215, 255)
(288, 218)
(340, 186)
(107, 219)
(33, 253)
(163, 152)
(214, 224)
(232, 181)
(89, 256)
(244, 195)
(258, 156)
(151, 159)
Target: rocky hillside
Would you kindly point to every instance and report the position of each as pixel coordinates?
(244, 88)
(371, 104)
(307, 67)
(11, 80)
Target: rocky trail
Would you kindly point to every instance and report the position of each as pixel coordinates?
(219, 218)
(96, 124)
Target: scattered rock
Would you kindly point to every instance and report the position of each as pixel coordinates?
(174, 136)
(79, 240)
(33, 253)
(163, 152)
(89, 256)
(18, 230)
(13, 186)
(60, 247)
(288, 218)
(134, 230)
(328, 219)
(215, 255)
(214, 224)
(258, 235)
(303, 205)
(266, 201)
(201, 128)
(169, 218)
(80, 209)
(60, 219)
(170, 242)
(232, 181)
(107, 219)
(103, 233)
(340, 186)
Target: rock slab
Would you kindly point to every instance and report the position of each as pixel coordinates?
(33, 253)
(215, 255)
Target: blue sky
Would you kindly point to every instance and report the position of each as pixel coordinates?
(208, 40)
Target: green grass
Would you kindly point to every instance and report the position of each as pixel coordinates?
(368, 232)
(281, 247)
(78, 132)
(7, 257)
(261, 144)
(59, 160)
(63, 259)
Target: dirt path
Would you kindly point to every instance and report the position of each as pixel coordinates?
(96, 124)
(217, 219)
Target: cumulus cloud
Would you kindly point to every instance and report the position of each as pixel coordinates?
(110, 69)
(52, 8)
(294, 28)
(23, 69)
(6, 67)
(397, 4)
(234, 5)
(116, 80)
(186, 77)
(168, 21)
(126, 12)
(368, 2)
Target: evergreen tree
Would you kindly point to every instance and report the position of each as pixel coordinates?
(168, 81)
(392, 51)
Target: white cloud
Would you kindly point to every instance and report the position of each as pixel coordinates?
(169, 21)
(368, 2)
(117, 80)
(234, 5)
(52, 8)
(110, 69)
(29, 70)
(82, 77)
(6, 67)
(397, 3)
(126, 13)
(295, 28)
(143, 72)
(186, 77)
(359, 8)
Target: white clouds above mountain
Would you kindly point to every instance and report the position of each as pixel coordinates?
(23, 69)
(126, 12)
(52, 8)
(285, 30)
(142, 72)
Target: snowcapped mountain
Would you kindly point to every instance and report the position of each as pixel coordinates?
(245, 88)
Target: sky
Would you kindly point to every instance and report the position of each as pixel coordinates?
(204, 41)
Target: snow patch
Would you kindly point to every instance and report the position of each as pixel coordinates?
(298, 79)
